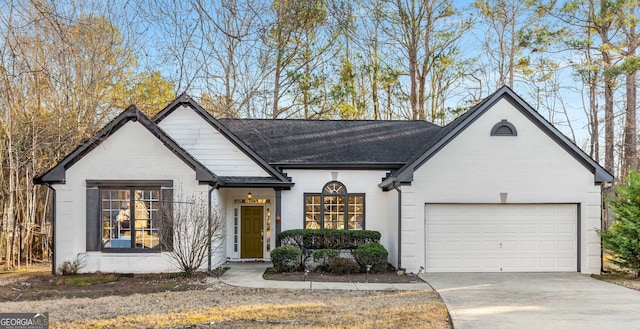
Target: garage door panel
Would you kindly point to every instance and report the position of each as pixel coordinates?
(567, 245)
(566, 228)
(529, 245)
(529, 228)
(501, 237)
(510, 228)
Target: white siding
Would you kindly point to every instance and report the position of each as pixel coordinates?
(476, 167)
(132, 153)
(219, 246)
(377, 214)
(207, 145)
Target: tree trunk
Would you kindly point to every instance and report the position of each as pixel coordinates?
(594, 152)
(608, 123)
(374, 78)
(630, 126)
(276, 84)
(413, 72)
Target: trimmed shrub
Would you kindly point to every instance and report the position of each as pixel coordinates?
(286, 258)
(328, 238)
(323, 256)
(373, 254)
(340, 265)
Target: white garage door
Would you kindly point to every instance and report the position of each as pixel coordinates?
(501, 237)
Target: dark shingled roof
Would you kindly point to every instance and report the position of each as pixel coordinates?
(333, 142)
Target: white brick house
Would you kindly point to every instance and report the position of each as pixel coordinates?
(498, 189)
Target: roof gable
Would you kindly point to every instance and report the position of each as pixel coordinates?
(187, 101)
(453, 129)
(57, 174)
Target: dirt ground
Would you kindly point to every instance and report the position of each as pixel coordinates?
(625, 280)
(616, 275)
(41, 286)
(171, 301)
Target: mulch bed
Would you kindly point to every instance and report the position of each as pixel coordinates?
(383, 277)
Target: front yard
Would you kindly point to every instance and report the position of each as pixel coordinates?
(169, 301)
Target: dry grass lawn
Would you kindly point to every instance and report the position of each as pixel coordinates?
(216, 305)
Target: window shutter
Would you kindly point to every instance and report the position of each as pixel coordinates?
(93, 219)
(166, 231)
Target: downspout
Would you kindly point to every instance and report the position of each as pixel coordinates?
(53, 230)
(396, 187)
(209, 233)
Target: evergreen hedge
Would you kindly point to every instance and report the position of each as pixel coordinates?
(327, 238)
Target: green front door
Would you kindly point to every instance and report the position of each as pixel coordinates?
(251, 232)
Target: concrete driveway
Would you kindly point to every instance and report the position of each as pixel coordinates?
(535, 300)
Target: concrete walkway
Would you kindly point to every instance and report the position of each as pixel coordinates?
(535, 300)
(250, 275)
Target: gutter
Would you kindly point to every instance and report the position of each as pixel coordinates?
(53, 230)
(396, 187)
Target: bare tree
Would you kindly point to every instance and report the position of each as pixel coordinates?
(189, 228)
(428, 33)
(58, 63)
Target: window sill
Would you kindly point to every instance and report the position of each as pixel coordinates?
(130, 251)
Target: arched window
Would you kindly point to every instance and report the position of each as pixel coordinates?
(334, 208)
(504, 128)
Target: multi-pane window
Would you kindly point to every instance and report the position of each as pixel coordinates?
(131, 218)
(334, 208)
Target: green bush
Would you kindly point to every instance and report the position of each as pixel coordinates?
(341, 265)
(621, 240)
(323, 257)
(373, 254)
(286, 258)
(328, 238)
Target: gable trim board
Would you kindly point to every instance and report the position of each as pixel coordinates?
(405, 174)
(186, 100)
(57, 174)
(401, 217)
